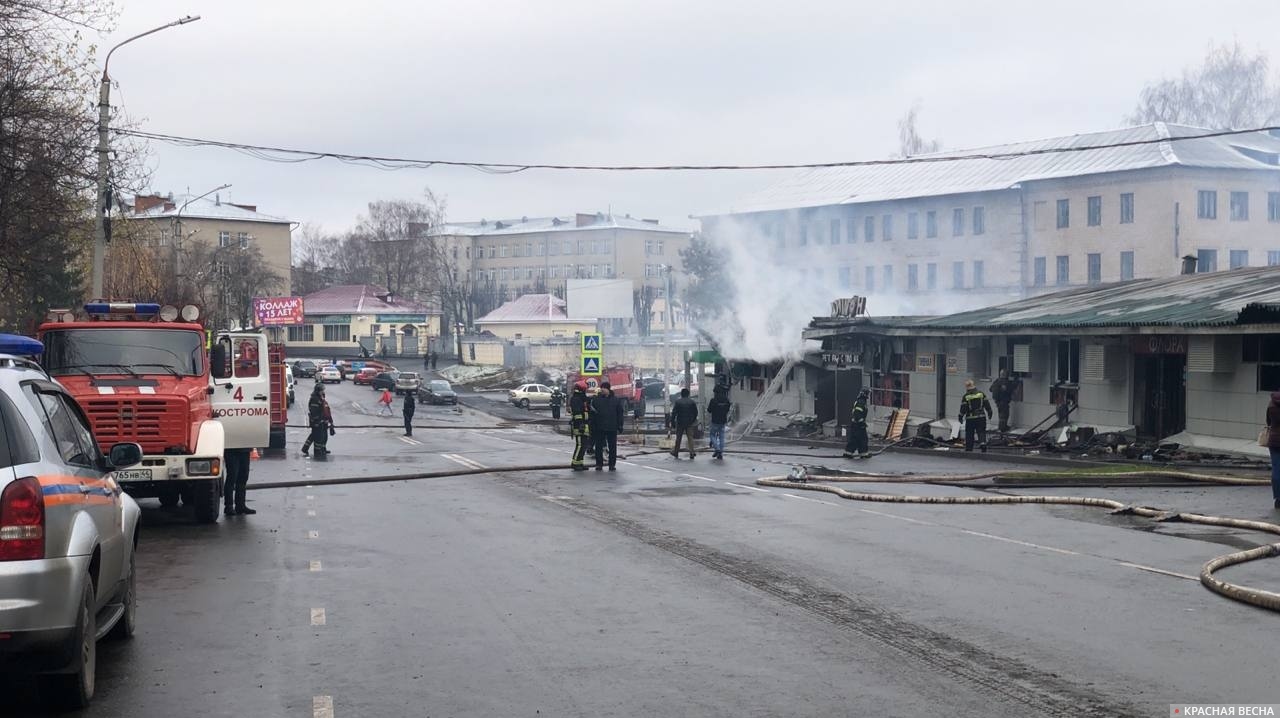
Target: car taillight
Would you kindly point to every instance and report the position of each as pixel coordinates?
(22, 521)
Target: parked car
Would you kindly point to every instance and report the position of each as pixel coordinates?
(289, 382)
(653, 387)
(329, 374)
(408, 381)
(437, 391)
(67, 565)
(528, 395)
(305, 369)
(365, 376)
(385, 380)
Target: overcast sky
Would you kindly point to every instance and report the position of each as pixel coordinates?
(596, 81)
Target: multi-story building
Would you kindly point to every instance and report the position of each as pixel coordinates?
(938, 235)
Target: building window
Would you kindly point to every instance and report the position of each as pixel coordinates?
(851, 230)
(1207, 260)
(1126, 208)
(978, 267)
(957, 222)
(913, 225)
(243, 239)
(930, 224)
(304, 333)
(503, 274)
(567, 250)
(1126, 266)
(493, 251)
(1273, 258)
(835, 231)
(931, 276)
(502, 251)
(541, 249)
(1095, 211)
(337, 332)
(1239, 206)
(913, 277)
(1068, 364)
(528, 249)
(1040, 272)
(886, 227)
(555, 271)
(553, 249)
(979, 220)
(871, 279)
(1238, 258)
(1064, 213)
(1207, 204)
(1064, 269)
(888, 278)
(818, 236)
(224, 239)
(957, 275)
(869, 229)
(1273, 206)
(1095, 268)
(804, 233)
(846, 278)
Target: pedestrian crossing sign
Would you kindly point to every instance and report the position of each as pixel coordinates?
(592, 343)
(591, 366)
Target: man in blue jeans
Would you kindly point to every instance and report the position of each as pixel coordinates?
(718, 410)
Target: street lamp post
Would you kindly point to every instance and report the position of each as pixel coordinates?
(100, 206)
(458, 331)
(177, 229)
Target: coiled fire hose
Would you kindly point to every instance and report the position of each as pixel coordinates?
(1252, 596)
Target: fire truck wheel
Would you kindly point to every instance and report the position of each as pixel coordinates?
(169, 498)
(205, 497)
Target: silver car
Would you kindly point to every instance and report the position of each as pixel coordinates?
(67, 537)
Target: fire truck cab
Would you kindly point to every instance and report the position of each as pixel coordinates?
(151, 375)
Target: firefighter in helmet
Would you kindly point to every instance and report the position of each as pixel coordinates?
(579, 411)
(856, 446)
(975, 410)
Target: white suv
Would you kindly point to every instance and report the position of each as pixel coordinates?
(67, 535)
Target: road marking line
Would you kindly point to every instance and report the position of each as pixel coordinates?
(310, 497)
(315, 566)
(469, 463)
(806, 498)
(322, 707)
(505, 441)
(695, 476)
(311, 513)
(895, 516)
(1021, 543)
(744, 486)
(654, 468)
(1160, 571)
(313, 534)
(317, 616)
(407, 440)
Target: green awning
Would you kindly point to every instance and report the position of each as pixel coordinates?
(705, 356)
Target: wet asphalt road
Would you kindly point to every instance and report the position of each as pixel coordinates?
(670, 588)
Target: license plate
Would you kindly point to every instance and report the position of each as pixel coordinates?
(133, 475)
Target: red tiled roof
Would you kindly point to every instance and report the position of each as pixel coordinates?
(360, 299)
(531, 308)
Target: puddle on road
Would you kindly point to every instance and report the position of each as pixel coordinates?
(1233, 538)
(691, 490)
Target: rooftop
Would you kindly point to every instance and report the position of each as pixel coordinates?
(570, 223)
(360, 299)
(531, 308)
(876, 183)
(211, 207)
(1234, 297)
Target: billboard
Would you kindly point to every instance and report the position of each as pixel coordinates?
(600, 299)
(277, 311)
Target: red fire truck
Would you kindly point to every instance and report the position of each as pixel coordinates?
(151, 374)
(619, 377)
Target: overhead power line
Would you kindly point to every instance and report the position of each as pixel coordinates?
(290, 155)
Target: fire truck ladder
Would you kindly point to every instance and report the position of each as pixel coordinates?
(766, 402)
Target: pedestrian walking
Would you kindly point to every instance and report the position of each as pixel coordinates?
(426, 361)
(557, 400)
(972, 407)
(1273, 444)
(638, 404)
(385, 400)
(1002, 393)
(607, 410)
(855, 446)
(236, 465)
(410, 406)
(435, 358)
(684, 417)
(718, 410)
(579, 407)
(321, 421)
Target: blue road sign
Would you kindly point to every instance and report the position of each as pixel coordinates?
(592, 343)
(590, 366)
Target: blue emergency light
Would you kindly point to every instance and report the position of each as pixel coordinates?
(122, 308)
(17, 345)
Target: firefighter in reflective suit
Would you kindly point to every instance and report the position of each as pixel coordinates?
(579, 408)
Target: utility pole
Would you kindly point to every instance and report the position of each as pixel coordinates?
(101, 207)
(666, 333)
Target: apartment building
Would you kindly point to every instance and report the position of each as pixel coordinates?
(1020, 219)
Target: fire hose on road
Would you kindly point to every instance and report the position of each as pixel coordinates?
(1252, 596)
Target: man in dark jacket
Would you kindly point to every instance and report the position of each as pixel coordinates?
(972, 406)
(1002, 392)
(410, 406)
(557, 401)
(579, 407)
(856, 445)
(718, 409)
(607, 411)
(684, 416)
(320, 420)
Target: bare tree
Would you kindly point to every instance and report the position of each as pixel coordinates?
(909, 140)
(642, 300)
(1231, 90)
(315, 260)
(395, 243)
